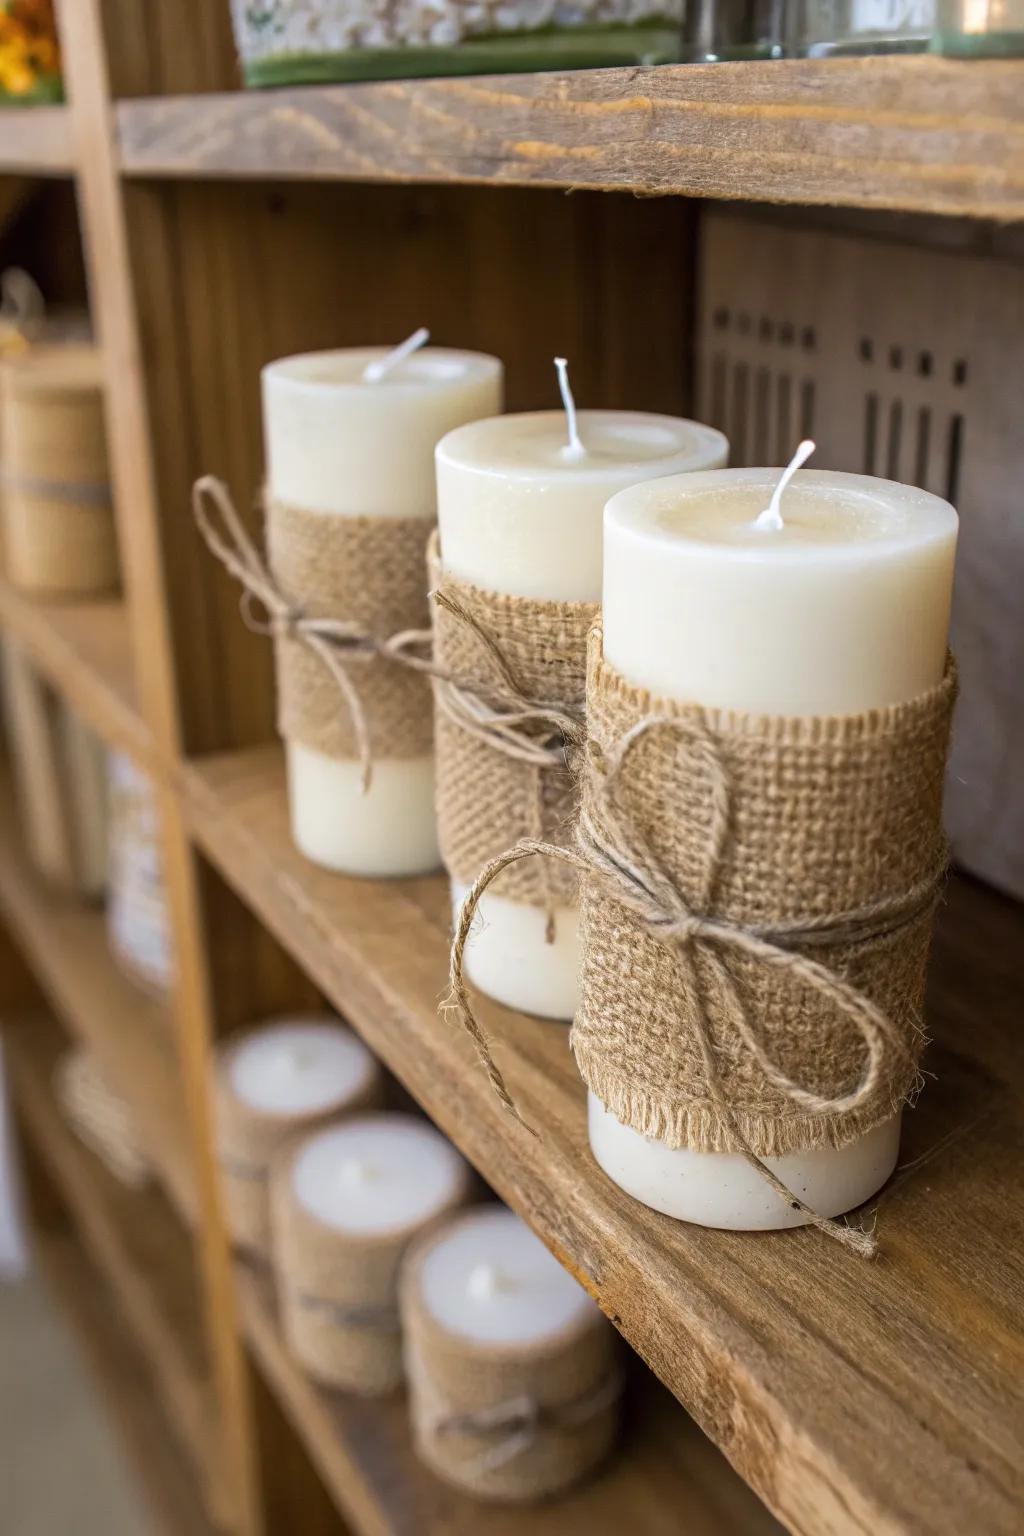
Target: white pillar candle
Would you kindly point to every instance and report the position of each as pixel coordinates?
(842, 608)
(519, 512)
(489, 1279)
(340, 442)
(377, 1174)
(300, 1066)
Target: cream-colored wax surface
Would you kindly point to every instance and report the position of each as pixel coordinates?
(844, 608)
(337, 443)
(300, 1065)
(520, 513)
(377, 1173)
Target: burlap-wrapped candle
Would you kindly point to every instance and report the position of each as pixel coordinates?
(513, 1377)
(272, 1083)
(346, 1204)
(59, 536)
(138, 915)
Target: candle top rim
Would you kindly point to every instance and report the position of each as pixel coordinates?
(424, 372)
(653, 512)
(687, 441)
(429, 1157)
(352, 1064)
(507, 1311)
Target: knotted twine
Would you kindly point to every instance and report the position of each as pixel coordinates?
(248, 1139)
(338, 1290)
(321, 565)
(512, 1422)
(757, 902)
(510, 678)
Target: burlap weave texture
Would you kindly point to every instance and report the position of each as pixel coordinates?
(371, 572)
(826, 817)
(562, 1394)
(486, 799)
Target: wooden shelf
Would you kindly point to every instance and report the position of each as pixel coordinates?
(66, 944)
(850, 1396)
(134, 1240)
(665, 1478)
(84, 649)
(36, 141)
(917, 134)
(124, 1384)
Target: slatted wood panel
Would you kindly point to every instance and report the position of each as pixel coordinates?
(133, 1239)
(84, 649)
(852, 1397)
(907, 133)
(665, 1478)
(129, 1030)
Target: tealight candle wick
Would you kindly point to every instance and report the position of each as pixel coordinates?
(295, 1058)
(484, 1281)
(771, 517)
(374, 372)
(574, 448)
(355, 1171)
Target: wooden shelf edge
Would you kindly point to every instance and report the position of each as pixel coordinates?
(36, 141)
(143, 1255)
(124, 1384)
(771, 1341)
(66, 946)
(914, 134)
(84, 651)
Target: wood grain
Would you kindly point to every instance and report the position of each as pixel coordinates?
(133, 1239)
(36, 140)
(905, 133)
(852, 1397)
(66, 944)
(665, 1477)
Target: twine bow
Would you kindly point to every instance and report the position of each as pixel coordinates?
(606, 847)
(518, 1420)
(338, 643)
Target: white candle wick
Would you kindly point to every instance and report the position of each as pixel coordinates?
(771, 517)
(355, 1171)
(574, 448)
(292, 1059)
(486, 1280)
(374, 372)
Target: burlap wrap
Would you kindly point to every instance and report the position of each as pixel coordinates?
(486, 799)
(338, 1291)
(825, 818)
(371, 572)
(248, 1141)
(509, 1423)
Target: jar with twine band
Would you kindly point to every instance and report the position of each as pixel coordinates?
(346, 1204)
(138, 915)
(517, 579)
(271, 1084)
(58, 519)
(758, 887)
(514, 1377)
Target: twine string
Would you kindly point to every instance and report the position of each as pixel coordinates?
(608, 848)
(383, 1317)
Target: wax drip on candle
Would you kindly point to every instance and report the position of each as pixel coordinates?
(771, 517)
(484, 1281)
(574, 449)
(374, 372)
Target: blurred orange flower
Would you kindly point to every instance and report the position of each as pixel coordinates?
(29, 55)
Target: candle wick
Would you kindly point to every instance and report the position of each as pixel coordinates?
(374, 372)
(771, 517)
(574, 446)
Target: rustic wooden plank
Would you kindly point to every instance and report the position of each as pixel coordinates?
(125, 1386)
(132, 1237)
(36, 141)
(852, 1397)
(130, 1031)
(665, 1477)
(921, 134)
(84, 650)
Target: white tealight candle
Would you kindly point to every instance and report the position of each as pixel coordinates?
(300, 1066)
(377, 1174)
(350, 433)
(520, 500)
(489, 1279)
(843, 607)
